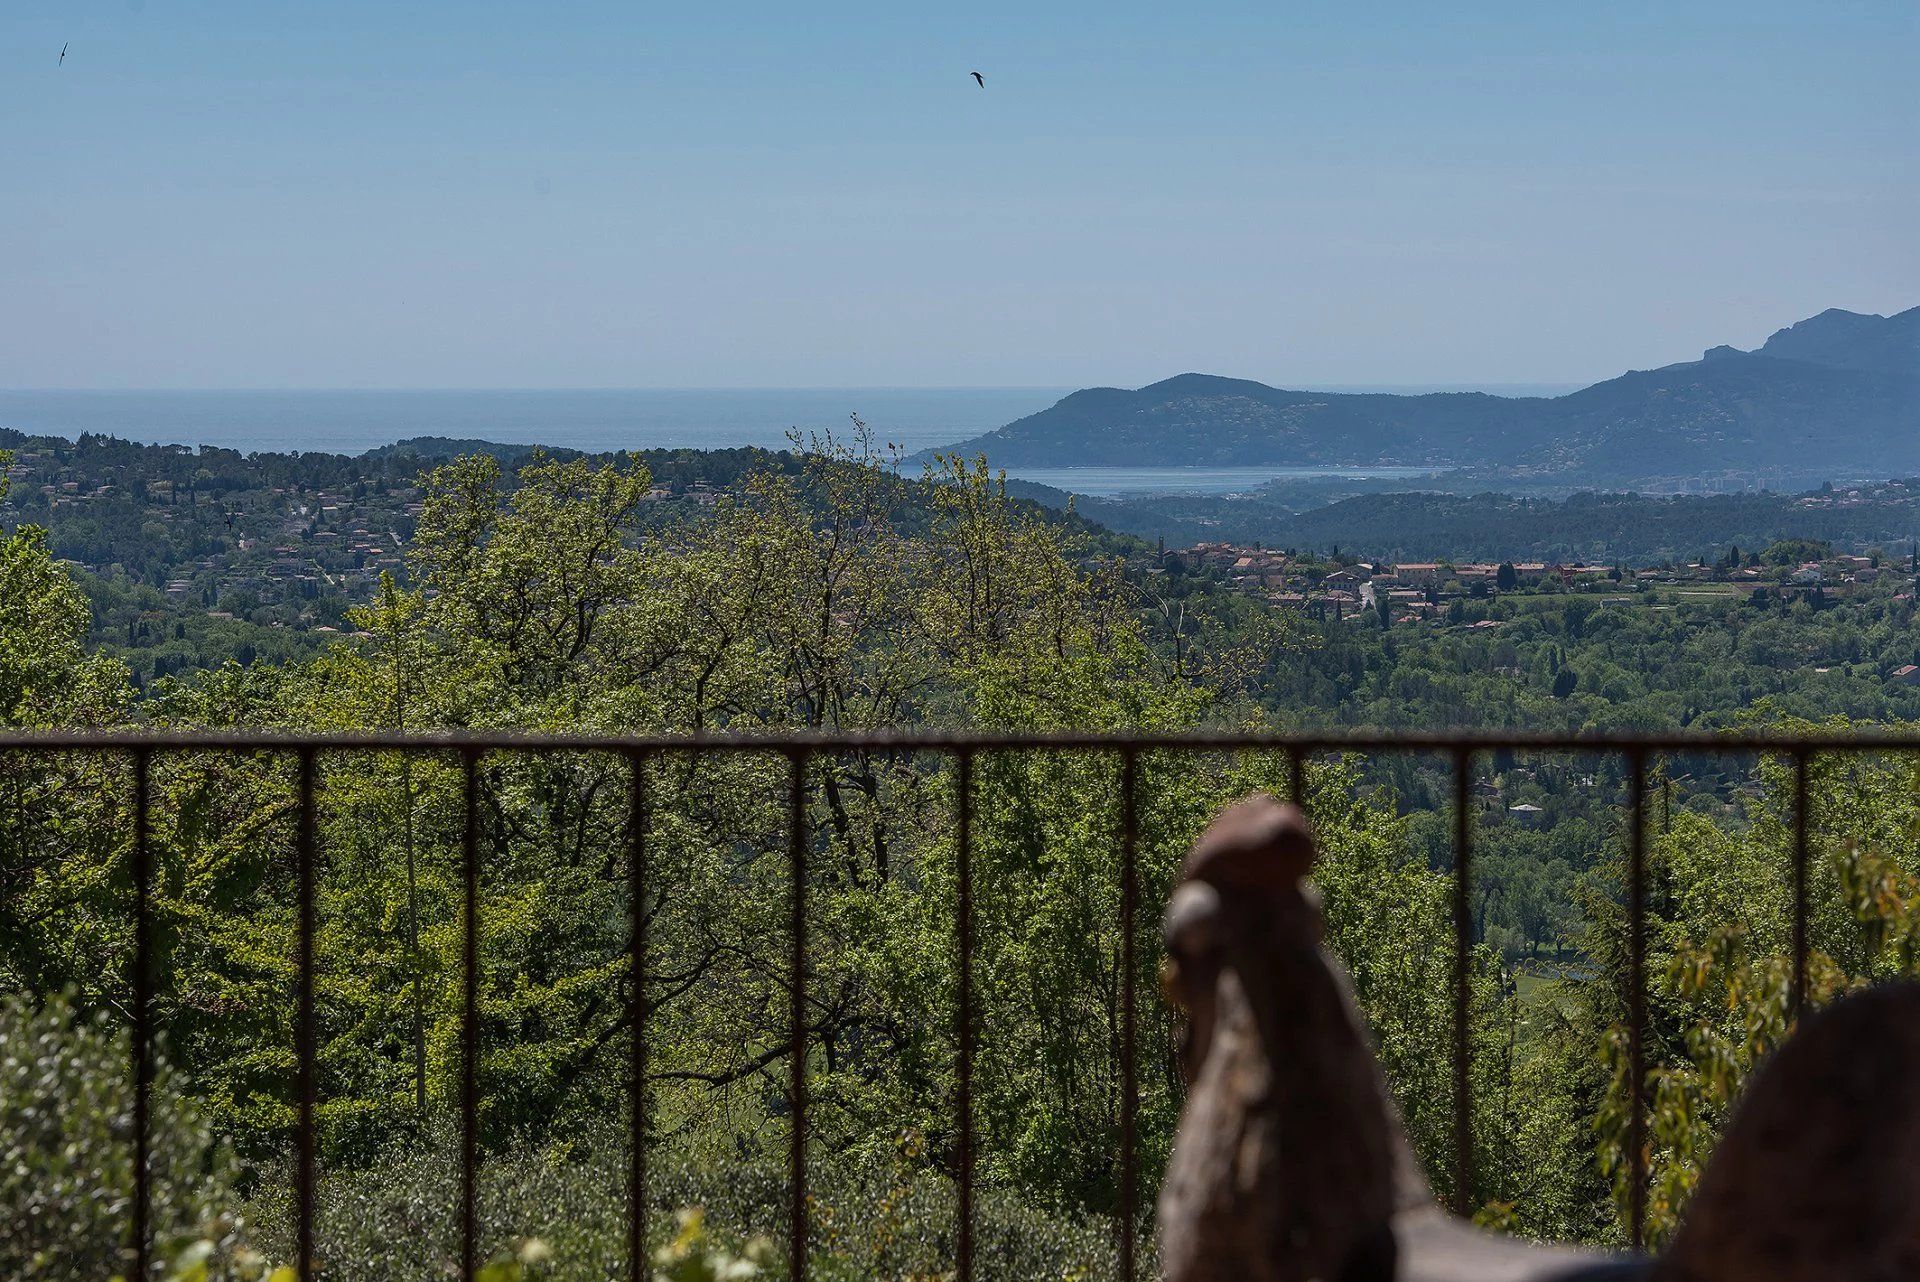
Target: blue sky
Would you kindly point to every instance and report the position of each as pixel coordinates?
(751, 194)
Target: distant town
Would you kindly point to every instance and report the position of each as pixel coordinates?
(293, 539)
(1340, 589)
(223, 550)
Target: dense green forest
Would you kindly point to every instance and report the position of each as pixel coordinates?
(820, 591)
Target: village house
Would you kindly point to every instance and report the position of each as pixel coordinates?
(1417, 572)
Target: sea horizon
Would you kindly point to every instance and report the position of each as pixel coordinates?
(914, 416)
(353, 421)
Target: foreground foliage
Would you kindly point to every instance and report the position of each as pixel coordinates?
(831, 597)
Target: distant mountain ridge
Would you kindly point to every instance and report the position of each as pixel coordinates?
(1849, 340)
(1838, 393)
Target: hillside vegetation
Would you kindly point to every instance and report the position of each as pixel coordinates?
(824, 593)
(1630, 529)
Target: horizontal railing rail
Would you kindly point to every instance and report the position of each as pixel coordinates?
(798, 747)
(1728, 742)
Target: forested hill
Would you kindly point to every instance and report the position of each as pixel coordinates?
(1835, 396)
(190, 558)
(1632, 528)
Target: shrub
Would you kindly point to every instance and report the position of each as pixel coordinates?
(66, 1159)
(873, 1219)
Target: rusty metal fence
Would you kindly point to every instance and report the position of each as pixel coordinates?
(962, 749)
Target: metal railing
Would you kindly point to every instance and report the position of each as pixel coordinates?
(962, 748)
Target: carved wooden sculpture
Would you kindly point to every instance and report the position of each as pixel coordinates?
(1291, 1164)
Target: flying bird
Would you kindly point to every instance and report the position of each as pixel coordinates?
(976, 75)
(63, 53)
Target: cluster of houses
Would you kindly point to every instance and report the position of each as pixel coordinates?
(699, 493)
(1411, 590)
(277, 544)
(280, 546)
(306, 546)
(1895, 491)
(62, 491)
(315, 544)
(330, 542)
(1428, 590)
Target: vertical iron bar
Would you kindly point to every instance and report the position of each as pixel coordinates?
(304, 1035)
(797, 999)
(1800, 823)
(637, 1014)
(1637, 1000)
(142, 1016)
(1462, 983)
(1129, 1027)
(964, 1032)
(470, 1021)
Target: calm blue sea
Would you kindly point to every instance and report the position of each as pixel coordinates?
(349, 422)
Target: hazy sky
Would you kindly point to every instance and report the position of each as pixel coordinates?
(414, 194)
